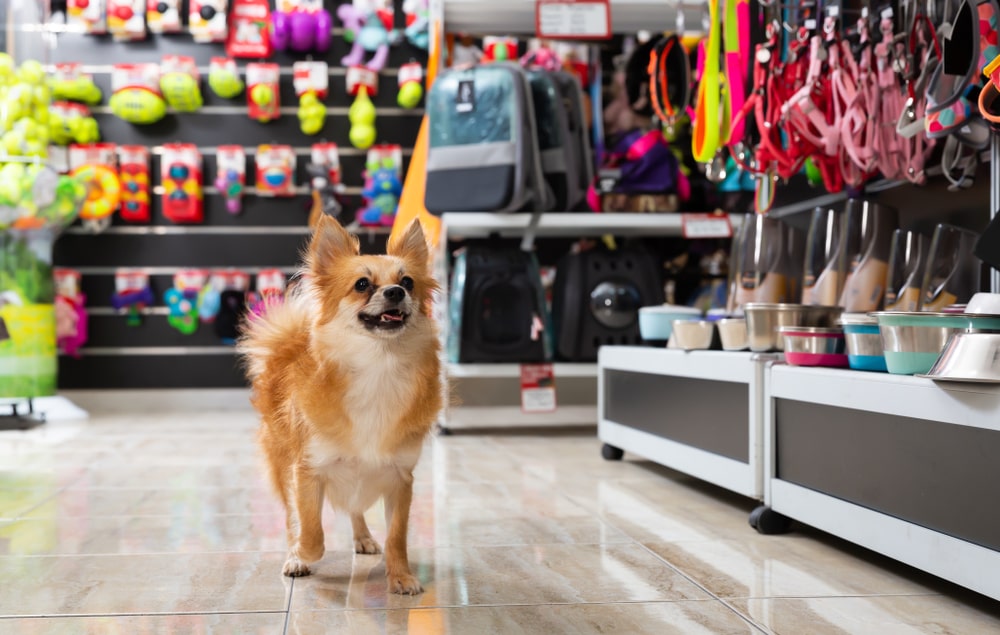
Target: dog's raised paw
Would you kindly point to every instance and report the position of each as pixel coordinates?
(295, 568)
(366, 545)
(405, 584)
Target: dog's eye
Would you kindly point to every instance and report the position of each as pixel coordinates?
(406, 283)
(362, 285)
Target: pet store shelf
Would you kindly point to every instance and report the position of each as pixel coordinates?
(467, 417)
(698, 412)
(515, 17)
(478, 225)
(900, 465)
(498, 371)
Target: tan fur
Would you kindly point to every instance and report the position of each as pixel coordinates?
(344, 410)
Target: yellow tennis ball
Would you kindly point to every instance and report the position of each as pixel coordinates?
(262, 94)
(362, 136)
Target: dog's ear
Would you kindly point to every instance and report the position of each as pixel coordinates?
(411, 245)
(331, 241)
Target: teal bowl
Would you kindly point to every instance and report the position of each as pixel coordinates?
(913, 341)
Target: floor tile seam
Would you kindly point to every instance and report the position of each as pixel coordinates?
(437, 607)
(132, 555)
(51, 616)
(288, 607)
(746, 618)
(824, 596)
(683, 574)
(596, 515)
(22, 515)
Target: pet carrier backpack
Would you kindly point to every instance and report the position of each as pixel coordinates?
(596, 300)
(497, 307)
(579, 165)
(552, 121)
(483, 152)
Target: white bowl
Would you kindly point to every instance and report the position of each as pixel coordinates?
(656, 322)
(693, 335)
(984, 303)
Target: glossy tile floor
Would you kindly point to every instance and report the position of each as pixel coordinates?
(154, 523)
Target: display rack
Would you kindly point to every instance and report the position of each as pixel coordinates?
(901, 465)
(699, 412)
(462, 225)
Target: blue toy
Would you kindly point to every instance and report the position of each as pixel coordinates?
(370, 34)
(382, 197)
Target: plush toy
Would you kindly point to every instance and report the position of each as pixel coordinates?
(382, 196)
(302, 30)
(370, 34)
(417, 31)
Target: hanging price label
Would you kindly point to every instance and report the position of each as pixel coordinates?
(573, 19)
(706, 226)
(538, 388)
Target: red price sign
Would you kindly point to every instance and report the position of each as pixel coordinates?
(573, 19)
(706, 226)
(538, 388)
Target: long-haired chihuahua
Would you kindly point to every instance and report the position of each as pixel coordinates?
(345, 374)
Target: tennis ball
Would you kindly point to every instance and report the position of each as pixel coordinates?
(87, 131)
(312, 125)
(409, 95)
(362, 136)
(262, 95)
(31, 72)
(224, 84)
(6, 65)
(309, 99)
(362, 111)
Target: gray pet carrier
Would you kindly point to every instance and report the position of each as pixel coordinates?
(483, 154)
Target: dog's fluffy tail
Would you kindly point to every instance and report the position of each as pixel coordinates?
(273, 333)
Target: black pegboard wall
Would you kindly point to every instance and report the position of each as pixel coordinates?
(268, 233)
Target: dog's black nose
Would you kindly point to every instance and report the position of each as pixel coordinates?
(394, 293)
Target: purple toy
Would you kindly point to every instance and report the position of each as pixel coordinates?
(71, 324)
(301, 31)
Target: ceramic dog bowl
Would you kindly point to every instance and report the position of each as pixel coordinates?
(970, 357)
(913, 341)
(814, 346)
(764, 320)
(984, 303)
(656, 322)
(733, 332)
(864, 344)
(693, 335)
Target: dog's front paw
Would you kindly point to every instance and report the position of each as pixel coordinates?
(404, 584)
(295, 568)
(366, 545)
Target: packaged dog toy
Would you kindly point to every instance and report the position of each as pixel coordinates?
(249, 32)
(132, 294)
(136, 95)
(232, 304)
(88, 14)
(179, 83)
(275, 170)
(182, 299)
(224, 78)
(263, 98)
(411, 88)
(383, 186)
(71, 314)
(181, 176)
(302, 26)
(207, 20)
(127, 20)
(231, 166)
(97, 166)
(324, 181)
(164, 16)
(133, 172)
(363, 84)
(311, 81)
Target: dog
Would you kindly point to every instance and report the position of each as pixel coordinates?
(345, 374)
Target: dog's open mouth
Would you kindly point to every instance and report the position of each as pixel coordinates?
(386, 321)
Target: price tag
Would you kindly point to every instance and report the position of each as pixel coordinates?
(573, 19)
(706, 226)
(538, 388)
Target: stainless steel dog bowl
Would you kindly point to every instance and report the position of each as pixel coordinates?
(733, 333)
(764, 320)
(969, 356)
(913, 341)
(814, 346)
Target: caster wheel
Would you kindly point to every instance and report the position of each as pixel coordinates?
(768, 522)
(611, 453)
(445, 432)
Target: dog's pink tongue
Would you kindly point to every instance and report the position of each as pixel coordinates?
(392, 317)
